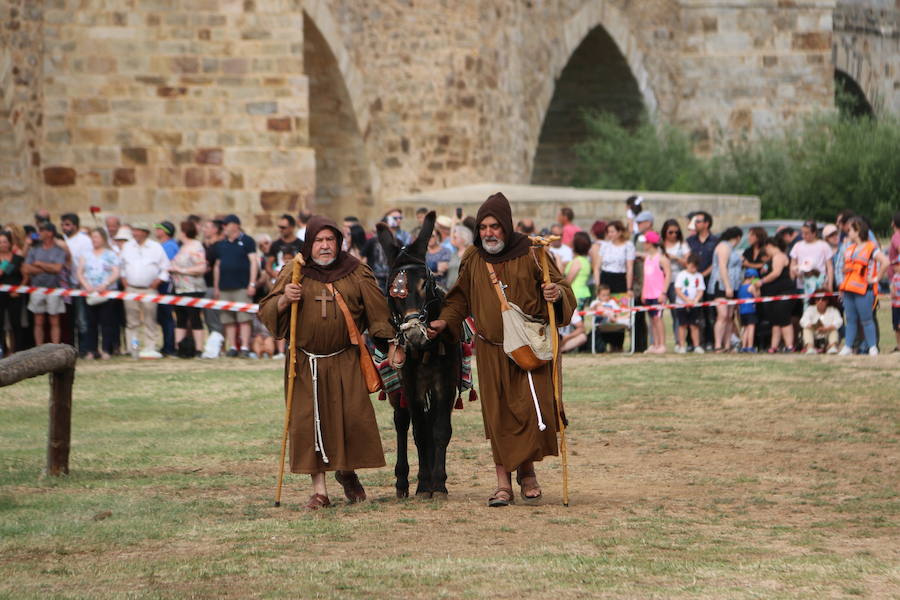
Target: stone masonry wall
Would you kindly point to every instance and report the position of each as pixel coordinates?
(752, 66)
(167, 107)
(159, 108)
(21, 102)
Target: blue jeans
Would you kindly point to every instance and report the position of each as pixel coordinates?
(858, 312)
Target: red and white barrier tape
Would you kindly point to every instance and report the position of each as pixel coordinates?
(154, 298)
(716, 302)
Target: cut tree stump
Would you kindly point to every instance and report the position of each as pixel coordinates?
(59, 361)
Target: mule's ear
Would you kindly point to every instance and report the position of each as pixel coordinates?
(388, 243)
(420, 246)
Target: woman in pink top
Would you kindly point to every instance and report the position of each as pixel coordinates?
(657, 274)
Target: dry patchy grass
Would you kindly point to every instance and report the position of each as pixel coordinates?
(691, 477)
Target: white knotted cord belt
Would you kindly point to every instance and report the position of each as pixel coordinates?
(317, 423)
(541, 425)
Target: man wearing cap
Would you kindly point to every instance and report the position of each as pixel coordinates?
(42, 268)
(443, 225)
(165, 314)
(515, 403)
(235, 269)
(333, 425)
(144, 266)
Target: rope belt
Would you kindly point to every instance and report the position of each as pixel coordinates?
(317, 423)
(537, 408)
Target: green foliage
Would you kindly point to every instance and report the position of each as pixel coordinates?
(813, 170)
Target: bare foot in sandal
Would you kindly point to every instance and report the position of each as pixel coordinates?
(501, 497)
(528, 484)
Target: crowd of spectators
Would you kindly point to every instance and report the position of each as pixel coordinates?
(616, 265)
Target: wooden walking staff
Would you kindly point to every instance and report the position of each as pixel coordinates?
(292, 374)
(542, 243)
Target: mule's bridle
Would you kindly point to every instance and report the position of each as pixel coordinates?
(425, 314)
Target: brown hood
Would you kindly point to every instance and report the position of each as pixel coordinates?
(342, 266)
(517, 244)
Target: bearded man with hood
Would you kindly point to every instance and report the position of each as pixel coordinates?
(333, 425)
(511, 419)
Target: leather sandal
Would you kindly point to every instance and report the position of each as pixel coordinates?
(353, 489)
(528, 483)
(317, 501)
(501, 497)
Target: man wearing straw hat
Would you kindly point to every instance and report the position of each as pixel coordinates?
(517, 405)
(332, 421)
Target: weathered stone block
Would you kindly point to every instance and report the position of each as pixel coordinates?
(122, 177)
(209, 156)
(279, 201)
(194, 177)
(58, 176)
(134, 156)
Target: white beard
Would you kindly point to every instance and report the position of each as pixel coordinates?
(323, 262)
(495, 248)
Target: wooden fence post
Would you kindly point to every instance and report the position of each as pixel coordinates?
(59, 361)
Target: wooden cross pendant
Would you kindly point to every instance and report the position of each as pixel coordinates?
(324, 299)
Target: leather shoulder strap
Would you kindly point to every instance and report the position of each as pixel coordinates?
(504, 305)
(348, 318)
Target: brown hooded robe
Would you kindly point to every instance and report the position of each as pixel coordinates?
(349, 429)
(510, 420)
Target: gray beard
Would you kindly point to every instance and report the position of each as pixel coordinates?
(323, 262)
(496, 249)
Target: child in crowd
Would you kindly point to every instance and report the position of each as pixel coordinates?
(747, 311)
(609, 309)
(895, 302)
(689, 288)
(657, 273)
(820, 322)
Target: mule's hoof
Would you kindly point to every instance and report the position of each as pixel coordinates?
(403, 493)
(423, 495)
(439, 496)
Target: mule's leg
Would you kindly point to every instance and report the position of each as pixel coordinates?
(422, 436)
(441, 426)
(401, 467)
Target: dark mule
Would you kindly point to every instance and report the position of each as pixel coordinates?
(432, 371)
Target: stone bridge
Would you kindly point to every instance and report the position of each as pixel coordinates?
(160, 108)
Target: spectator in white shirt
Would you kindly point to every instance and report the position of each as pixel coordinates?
(562, 254)
(144, 267)
(79, 245)
(820, 322)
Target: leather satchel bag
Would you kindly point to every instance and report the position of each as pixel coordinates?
(525, 338)
(369, 372)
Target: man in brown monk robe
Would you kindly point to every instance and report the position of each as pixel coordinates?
(333, 424)
(513, 413)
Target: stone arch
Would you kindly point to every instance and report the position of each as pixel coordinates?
(599, 65)
(343, 171)
(320, 14)
(855, 65)
(854, 100)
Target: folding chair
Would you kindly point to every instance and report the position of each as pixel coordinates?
(624, 301)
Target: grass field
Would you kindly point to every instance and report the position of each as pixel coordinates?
(691, 477)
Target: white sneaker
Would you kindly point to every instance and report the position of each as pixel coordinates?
(699, 350)
(845, 351)
(279, 356)
(149, 354)
(811, 351)
(873, 351)
(831, 350)
(680, 350)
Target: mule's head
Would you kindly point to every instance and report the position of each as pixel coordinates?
(413, 296)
